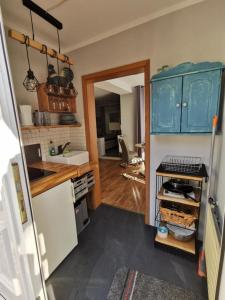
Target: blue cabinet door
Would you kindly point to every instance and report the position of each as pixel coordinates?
(166, 105)
(201, 95)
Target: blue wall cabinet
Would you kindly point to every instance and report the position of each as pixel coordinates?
(166, 105)
(185, 98)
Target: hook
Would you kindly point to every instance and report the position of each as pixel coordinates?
(66, 59)
(44, 49)
(55, 54)
(26, 40)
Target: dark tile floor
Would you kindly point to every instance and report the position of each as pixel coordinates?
(116, 238)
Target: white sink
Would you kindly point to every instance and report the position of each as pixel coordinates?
(72, 158)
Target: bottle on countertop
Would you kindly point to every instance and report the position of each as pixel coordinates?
(52, 151)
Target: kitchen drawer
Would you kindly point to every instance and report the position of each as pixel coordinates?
(78, 182)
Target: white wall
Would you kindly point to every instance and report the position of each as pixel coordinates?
(192, 34)
(128, 112)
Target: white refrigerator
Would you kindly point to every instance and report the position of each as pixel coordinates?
(56, 225)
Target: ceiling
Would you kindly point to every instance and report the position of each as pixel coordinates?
(88, 21)
(120, 86)
(100, 93)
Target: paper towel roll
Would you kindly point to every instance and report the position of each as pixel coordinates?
(26, 115)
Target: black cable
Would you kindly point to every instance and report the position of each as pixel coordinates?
(57, 55)
(47, 60)
(32, 25)
(26, 42)
(44, 50)
(58, 69)
(59, 41)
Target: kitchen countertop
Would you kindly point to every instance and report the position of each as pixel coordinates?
(63, 172)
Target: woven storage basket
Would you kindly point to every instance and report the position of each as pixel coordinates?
(177, 217)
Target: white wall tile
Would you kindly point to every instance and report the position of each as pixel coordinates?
(59, 136)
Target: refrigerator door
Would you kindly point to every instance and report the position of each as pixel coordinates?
(56, 225)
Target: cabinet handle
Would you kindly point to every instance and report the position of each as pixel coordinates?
(178, 105)
(185, 104)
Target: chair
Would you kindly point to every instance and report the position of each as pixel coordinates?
(128, 157)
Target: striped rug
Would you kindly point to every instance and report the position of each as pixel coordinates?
(133, 285)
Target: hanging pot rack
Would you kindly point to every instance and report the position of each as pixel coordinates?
(20, 37)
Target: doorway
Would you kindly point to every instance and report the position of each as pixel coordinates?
(119, 106)
(88, 82)
(108, 122)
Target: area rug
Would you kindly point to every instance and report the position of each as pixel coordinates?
(133, 285)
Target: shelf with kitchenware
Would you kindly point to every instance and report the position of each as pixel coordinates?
(179, 184)
(164, 195)
(56, 99)
(170, 241)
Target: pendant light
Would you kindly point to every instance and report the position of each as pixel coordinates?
(30, 82)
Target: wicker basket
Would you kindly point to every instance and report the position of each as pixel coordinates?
(178, 217)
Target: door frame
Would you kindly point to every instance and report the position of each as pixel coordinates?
(90, 121)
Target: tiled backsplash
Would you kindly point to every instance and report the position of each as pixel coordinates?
(59, 136)
(77, 138)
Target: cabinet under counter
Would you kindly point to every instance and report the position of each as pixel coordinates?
(62, 173)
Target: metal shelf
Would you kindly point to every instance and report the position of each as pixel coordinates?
(162, 196)
(158, 219)
(200, 176)
(197, 180)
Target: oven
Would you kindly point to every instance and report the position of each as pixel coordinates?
(82, 185)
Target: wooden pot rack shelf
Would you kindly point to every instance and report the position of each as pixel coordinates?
(20, 37)
(27, 128)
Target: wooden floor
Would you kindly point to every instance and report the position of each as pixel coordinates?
(118, 191)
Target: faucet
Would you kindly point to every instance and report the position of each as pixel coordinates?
(62, 148)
